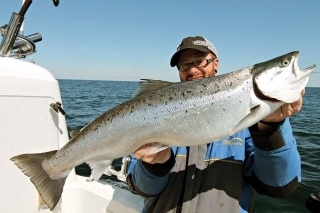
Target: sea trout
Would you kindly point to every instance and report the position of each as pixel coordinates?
(173, 114)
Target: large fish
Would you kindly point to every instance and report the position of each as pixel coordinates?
(174, 114)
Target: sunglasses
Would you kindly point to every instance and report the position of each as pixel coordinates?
(201, 63)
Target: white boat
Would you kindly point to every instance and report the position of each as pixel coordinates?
(32, 121)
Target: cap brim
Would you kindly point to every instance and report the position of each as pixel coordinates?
(175, 58)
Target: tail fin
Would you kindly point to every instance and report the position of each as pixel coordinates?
(31, 165)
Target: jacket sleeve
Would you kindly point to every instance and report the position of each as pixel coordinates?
(273, 164)
(147, 179)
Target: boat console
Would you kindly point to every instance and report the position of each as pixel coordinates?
(33, 121)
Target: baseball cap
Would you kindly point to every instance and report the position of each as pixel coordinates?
(198, 43)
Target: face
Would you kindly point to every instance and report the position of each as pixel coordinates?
(194, 73)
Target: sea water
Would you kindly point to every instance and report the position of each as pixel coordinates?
(84, 100)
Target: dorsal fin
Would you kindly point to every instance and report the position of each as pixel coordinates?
(147, 85)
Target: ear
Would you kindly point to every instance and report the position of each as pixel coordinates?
(216, 64)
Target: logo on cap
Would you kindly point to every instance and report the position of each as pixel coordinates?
(203, 43)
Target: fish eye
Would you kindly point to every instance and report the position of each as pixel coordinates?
(285, 62)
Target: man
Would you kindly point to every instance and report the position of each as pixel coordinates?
(220, 176)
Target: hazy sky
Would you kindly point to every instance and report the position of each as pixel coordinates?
(130, 40)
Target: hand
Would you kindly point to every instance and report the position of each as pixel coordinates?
(159, 157)
(285, 110)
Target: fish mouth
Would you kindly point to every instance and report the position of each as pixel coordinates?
(304, 73)
(300, 74)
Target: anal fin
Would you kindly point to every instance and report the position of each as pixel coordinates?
(98, 168)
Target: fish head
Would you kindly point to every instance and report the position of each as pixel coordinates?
(280, 79)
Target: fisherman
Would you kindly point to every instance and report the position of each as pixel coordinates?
(221, 176)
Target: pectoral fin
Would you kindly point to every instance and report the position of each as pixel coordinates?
(248, 118)
(155, 148)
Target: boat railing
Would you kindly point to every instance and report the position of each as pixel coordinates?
(122, 174)
(14, 44)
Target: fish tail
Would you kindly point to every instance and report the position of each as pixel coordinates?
(31, 165)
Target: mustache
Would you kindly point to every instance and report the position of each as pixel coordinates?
(191, 77)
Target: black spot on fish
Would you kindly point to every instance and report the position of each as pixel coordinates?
(186, 111)
(204, 85)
